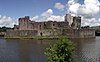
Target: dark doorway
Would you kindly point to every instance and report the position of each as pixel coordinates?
(41, 33)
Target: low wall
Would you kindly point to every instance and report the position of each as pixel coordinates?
(70, 33)
(21, 33)
(79, 33)
(50, 32)
(32, 33)
(86, 33)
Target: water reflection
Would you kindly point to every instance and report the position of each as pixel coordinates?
(21, 50)
(16, 50)
(9, 51)
(85, 50)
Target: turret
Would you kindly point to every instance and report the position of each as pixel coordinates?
(69, 19)
(76, 23)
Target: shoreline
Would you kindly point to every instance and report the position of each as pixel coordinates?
(46, 37)
(37, 38)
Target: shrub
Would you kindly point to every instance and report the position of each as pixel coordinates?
(61, 51)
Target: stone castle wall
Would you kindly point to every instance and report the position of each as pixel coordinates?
(26, 24)
(33, 33)
(70, 27)
(79, 33)
(70, 33)
(21, 33)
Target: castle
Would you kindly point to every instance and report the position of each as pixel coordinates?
(71, 27)
(70, 22)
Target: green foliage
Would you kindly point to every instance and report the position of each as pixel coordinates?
(61, 51)
(4, 29)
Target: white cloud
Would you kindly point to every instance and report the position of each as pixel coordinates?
(89, 10)
(48, 16)
(34, 18)
(56, 18)
(72, 6)
(59, 6)
(7, 21)
(47, 13)
(91, 22)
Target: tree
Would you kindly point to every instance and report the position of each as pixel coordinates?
(61, 51)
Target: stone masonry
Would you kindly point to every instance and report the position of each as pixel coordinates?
(70, 27)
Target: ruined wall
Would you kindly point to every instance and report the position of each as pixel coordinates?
(21, 33)
(70, 33)
(50, 32)
(69, 19)
(76, 24)
(49, 25)
(71, 27)
(85, 33)
(16, 27)
(79, 33)
(25, 23)
(33, 33)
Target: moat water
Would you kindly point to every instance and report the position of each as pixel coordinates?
(21, 50)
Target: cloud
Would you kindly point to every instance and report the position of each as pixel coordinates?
(88, 9)
(48, 16)
(72, 6)
(34, 18)
(56, 18)
(7, 21)
(91, 22)
(59, 6)
(47, 13)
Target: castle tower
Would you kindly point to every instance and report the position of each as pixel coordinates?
(69, 19)
(76, 23)
(24, 23)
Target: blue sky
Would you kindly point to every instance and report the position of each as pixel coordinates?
(10, 10)
(17, 8)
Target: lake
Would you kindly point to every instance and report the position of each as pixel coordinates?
(24, 50)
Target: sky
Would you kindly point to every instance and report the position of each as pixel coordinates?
(44, 10)
(18, 8)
